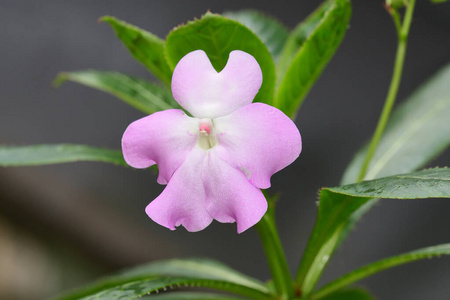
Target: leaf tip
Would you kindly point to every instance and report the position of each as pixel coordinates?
(60, 79)
(105, 19)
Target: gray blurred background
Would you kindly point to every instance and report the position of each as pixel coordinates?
(63, 225)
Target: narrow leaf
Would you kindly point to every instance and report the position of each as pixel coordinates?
(190, 296)
(379, 266)
(145, 47)
(337, 205)
(146, 286)
(218, 36)
(271, 32)
(347, 294)
(160, 276)
(308, 50)
(429, 183)
(54, 154)
(196, 268)
(139, 93)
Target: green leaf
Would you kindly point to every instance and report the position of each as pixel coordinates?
(429, 183)
(218, 36)
(379, 266)
(172, 274)
(438, 1)
(197, 268)
(337, 205)
(190, 296)
(145, 47)
(139, 93)
(54, 154)
(308, 50)
(271, 32)
(347, 294)
(136, 288)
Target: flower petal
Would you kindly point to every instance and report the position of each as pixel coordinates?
(164, 138)
(258, 139)
(230, 196)
(183, 200)
(207, 94)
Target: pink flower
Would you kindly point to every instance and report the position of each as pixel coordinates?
(215, 162)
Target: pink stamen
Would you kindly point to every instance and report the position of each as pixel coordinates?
(205, 126)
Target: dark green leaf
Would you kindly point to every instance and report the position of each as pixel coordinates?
(54, 154)
(218, 36)
(337, 205)
(145, 47)
(307, 52)
(190, 296)
(139, 93)
(438, 1)
(158, 277)
(379, 266)
(347, 294)
(271, 32)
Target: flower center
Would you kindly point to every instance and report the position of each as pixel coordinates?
(207, 136)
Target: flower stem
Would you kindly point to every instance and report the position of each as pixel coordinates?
(275, 254)
(402, 34)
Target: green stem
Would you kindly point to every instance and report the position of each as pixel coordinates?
(275, 254)
(402, 33)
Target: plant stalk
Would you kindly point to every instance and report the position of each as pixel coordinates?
(402, 34)
(276, 257)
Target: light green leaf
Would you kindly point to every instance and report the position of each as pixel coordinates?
(14, 156)
(197, 268)
(190, 296)
(337, 205)
(271, 32)
(139, 93)
(166, 275)
(218, 36)
(379, 266)
(145, 47)
(308, 50)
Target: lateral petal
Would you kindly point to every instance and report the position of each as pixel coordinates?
(230, 197)
(183, 200)
(258, 139)
(164, 138)
(203, 92)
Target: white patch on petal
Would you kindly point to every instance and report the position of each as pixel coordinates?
(206, 134)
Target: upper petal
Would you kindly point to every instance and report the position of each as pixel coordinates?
(183, 200)
(207, 94)
(230, 197)
(164, 138)
(258, 139)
